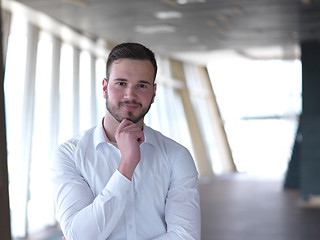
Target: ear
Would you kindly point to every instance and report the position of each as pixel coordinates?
(154, 92)
(104, 87)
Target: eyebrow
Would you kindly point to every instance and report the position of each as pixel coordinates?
(125, 80)
(145, 82)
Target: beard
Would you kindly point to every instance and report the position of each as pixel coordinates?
(115, 111)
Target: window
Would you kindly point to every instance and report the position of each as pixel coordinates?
(66, 93)
(260, 102)
(14, 94)
(40, 205)
(85, 91)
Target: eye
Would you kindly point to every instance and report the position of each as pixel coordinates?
(120, 83)
(142, 85)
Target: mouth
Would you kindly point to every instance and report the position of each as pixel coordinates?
(129, 106)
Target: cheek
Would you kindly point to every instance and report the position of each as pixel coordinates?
(148, 98)
(113, 95)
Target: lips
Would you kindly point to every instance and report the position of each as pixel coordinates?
(129, 106)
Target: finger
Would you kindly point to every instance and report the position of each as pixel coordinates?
(127, 126)
(138, 133)
(125, 122)
(141, 139)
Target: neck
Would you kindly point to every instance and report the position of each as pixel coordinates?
(110, 128)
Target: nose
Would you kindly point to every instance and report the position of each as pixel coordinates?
(130, 93)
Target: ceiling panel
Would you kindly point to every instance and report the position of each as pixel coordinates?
(211, 25)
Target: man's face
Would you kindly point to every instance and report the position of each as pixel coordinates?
(130, 89)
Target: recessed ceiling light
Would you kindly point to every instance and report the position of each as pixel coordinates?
(155, 29)
(168, 15)
(181, 2)
(190, 1)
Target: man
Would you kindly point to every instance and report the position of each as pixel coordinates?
(122, 179)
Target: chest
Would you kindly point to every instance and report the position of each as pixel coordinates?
(151, 177)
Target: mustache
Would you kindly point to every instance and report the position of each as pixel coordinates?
(131, 102)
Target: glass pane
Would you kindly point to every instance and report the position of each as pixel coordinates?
(100, 74)
(66, 93)
(256, 88)
(41, 206)
(85, 91)
(260, 102)
(262, 147)
(14, 92)
(199, 103)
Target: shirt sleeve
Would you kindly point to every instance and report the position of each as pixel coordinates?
(182, 210)
(81, 215)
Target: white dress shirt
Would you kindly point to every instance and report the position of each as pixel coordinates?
(95, 201)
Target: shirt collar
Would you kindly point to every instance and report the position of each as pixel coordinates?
(149, 137)
(99, 135)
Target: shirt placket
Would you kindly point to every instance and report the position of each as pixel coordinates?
(130, 215)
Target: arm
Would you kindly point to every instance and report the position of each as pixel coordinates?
(129, 137)
(182, 210)
(82, 216)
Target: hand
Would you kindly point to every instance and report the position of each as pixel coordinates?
(129, 136)
(63, 238)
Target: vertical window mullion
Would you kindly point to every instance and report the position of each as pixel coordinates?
(55, 103)
(93, 97)
(76, 90)
(55, 85)
(5, 33)
(198, 143)
(100, 68)
(66, 93)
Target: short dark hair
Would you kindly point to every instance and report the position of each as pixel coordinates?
(132, 51)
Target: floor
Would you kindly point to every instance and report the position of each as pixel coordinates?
(240, 207)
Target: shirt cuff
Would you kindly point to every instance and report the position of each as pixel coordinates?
(118, 185)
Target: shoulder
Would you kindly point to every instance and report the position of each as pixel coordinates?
(71, 145)
(68, 147)
(181, 160)
(65, 155)
(174, 151)
(163, 142)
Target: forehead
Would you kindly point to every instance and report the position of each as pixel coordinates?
(132, 68)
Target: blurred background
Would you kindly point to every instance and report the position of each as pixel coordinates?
(238, 85)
